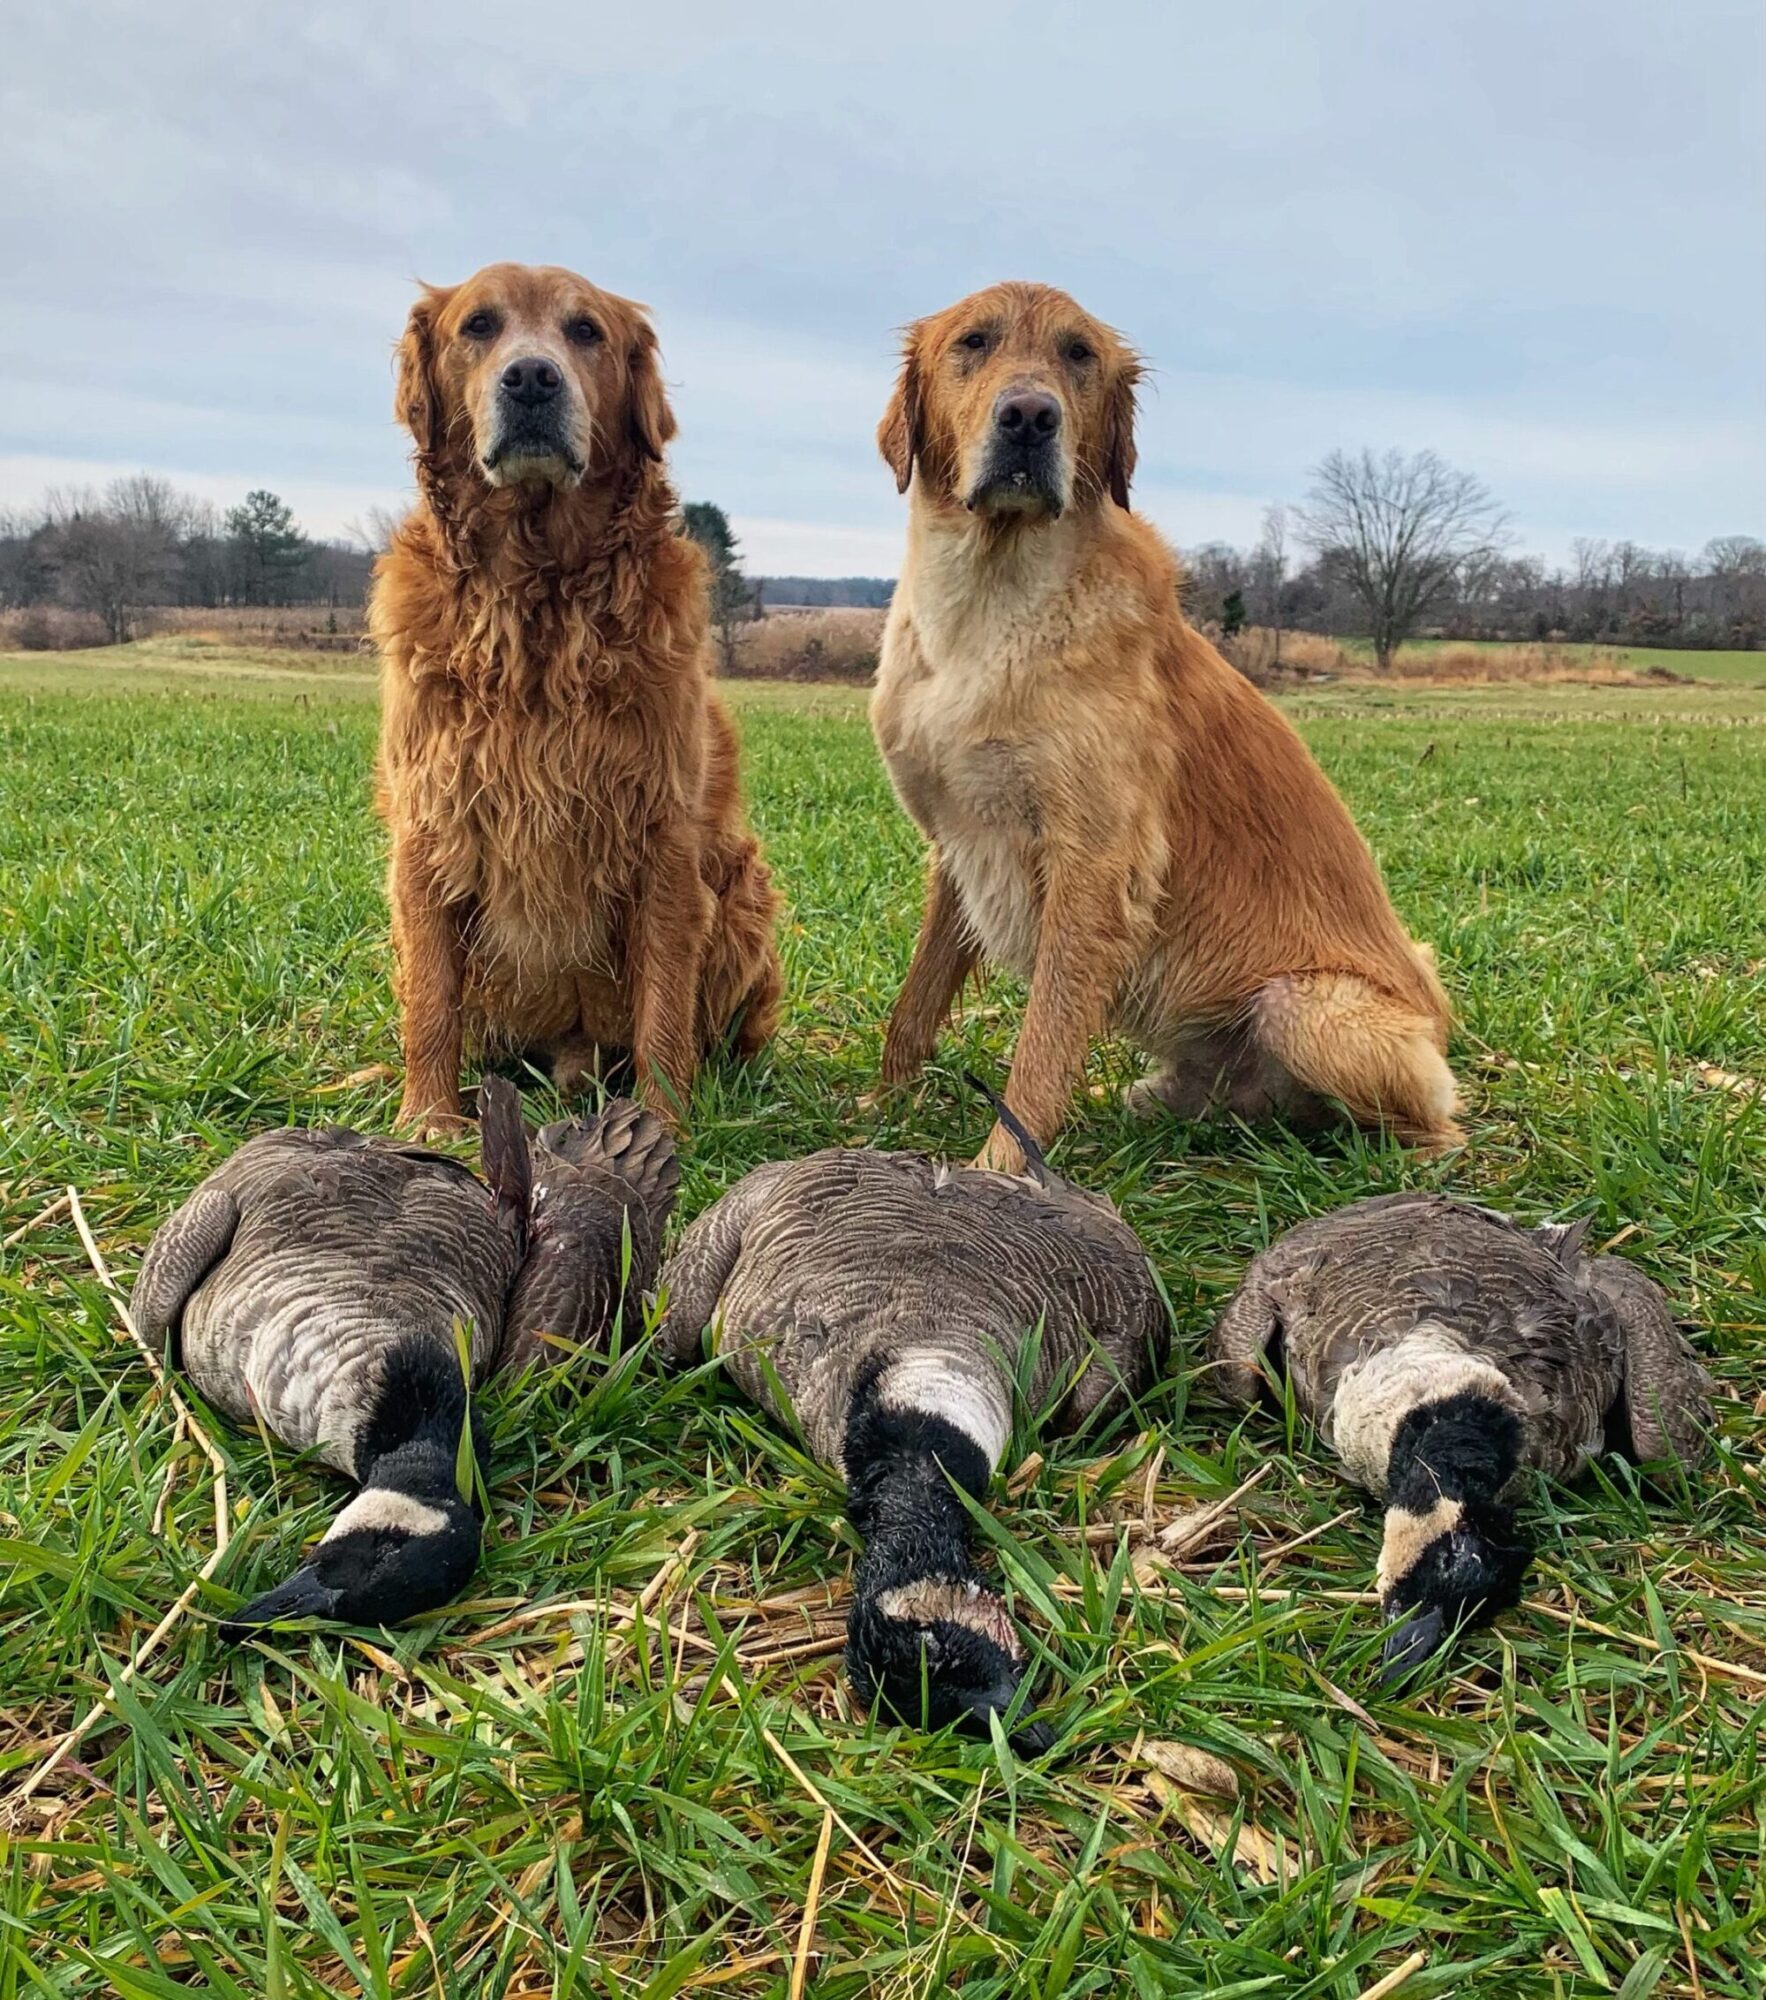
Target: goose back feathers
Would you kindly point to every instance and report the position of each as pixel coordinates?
(896, 1309)
(302, 1261)
(1404, 1298)
(323, 1285)
(944, 1284)
(1441, 1347)
(595, 1183)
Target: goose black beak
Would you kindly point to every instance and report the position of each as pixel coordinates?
(1032, 1739)
(302, 1595)
(1410, 1644)
(1028, 1739)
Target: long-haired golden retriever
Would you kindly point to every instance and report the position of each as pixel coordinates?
(571, 871)
(1113, 812)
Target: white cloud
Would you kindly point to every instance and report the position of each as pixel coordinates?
(814, 548)
(1357, 225)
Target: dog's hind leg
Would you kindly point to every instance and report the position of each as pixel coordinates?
(741, 983)
(1341, 1037)
(1193, 1081)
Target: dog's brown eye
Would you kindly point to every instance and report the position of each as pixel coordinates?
(479, 325)
(1078, 351)
(975, 342)
(582, 332)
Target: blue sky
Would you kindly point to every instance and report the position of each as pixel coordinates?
(1530, 236)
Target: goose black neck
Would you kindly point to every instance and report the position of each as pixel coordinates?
(410, 1441)
(1461, 1447)
(900, 1465)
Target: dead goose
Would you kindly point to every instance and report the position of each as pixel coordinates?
(892, 1302)
(592, 1178)
(313, 1284)
(1440, 1348)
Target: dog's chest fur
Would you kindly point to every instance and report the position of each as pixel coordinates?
(537, 817)
(976, 718)
(964, 756)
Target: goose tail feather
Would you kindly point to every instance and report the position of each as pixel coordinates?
(628, 1142)
(502, 1143)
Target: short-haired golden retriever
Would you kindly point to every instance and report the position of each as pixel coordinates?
(1113, 812)
(571, 870)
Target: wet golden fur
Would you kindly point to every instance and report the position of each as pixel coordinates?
(1112, 810)
(571, 869)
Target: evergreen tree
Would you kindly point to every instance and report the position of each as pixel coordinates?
(734, 599)
(268, 550)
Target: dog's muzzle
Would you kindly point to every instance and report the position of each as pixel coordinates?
(1022, 471)
(532, 429)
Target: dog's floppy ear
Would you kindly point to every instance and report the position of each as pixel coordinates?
(651, 421)
(419, 405)
(901, 435)
(416, 400)
(1119, 432)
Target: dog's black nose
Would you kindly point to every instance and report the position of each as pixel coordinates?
(532, 380)
(1027, 416)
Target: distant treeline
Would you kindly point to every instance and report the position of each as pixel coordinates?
(1613, 593)
(115, 555)
(140, 544)
(870, 593)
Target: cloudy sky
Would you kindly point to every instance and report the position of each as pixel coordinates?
(1527, 235)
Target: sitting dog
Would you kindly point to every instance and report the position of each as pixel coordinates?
(1114, 812)
(571, 870)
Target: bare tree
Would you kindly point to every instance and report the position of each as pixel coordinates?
(1735, 555)
(1397, 532)
(1212, 573)
(372, 530)
(1269, 568)
(115, 555)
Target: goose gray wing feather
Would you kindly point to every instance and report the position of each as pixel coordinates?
(574, 1281)
(1667, 1390)
(185, 1249)
(1113, 1318)
(694, 1278)
(1239, 1368)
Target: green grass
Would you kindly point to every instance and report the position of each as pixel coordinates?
(549, 1791)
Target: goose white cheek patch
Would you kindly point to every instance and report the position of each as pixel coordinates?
(380, 1507)
(937, 1387)
(1407, 1535)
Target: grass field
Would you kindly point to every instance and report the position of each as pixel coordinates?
(609, 1770)
(1747, 668)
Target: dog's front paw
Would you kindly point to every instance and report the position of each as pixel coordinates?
(1002, 1154)
(424, 1119)
(904, 1059)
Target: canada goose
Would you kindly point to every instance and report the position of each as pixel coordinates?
(314, 1284)
(592, 1178)
(894, 1303)
(1440, 1348)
